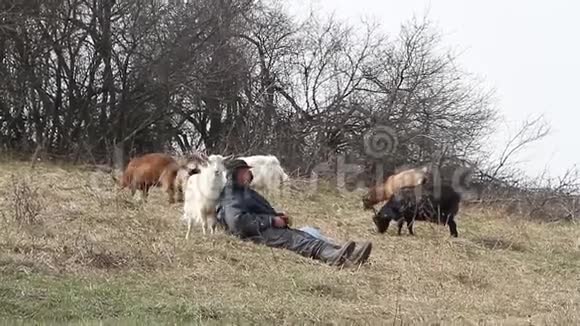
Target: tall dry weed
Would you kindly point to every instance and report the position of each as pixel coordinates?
(25, 201)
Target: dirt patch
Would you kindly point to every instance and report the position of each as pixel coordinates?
(492, 243)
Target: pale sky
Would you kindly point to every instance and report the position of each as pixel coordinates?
(528, 51)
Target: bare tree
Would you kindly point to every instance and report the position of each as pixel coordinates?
(91, 78)
(531, 131)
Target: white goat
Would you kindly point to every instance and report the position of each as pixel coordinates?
(268, 173)
(201, 194)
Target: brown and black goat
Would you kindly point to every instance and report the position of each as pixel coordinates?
(436, 204)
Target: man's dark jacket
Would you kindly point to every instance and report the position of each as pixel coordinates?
(243, 211)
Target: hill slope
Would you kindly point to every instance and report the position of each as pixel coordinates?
(93, 253)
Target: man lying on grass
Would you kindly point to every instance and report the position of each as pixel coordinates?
(249, 216)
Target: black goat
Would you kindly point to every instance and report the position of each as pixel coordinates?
(421, 203)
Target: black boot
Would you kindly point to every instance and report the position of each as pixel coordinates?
(334, 255)
(361, 253)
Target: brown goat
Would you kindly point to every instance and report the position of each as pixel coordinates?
(192, 162)
(403, 179)
(155, 170)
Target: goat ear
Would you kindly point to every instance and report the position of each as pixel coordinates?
(228, 157)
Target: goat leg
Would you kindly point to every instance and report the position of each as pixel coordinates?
(387, 223)
(171, 194)
(453, 228)
(212, 226)
(204, 226)
(400, 225)
(188, 228)
(410, 223)
(179, 195)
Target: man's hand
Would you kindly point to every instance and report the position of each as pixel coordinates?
(286, 218)
(280, 222)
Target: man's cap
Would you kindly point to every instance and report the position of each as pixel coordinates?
(237, 164)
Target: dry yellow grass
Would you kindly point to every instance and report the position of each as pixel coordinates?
(93, 253)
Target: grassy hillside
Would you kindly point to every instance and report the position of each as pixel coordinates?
(92, 253)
